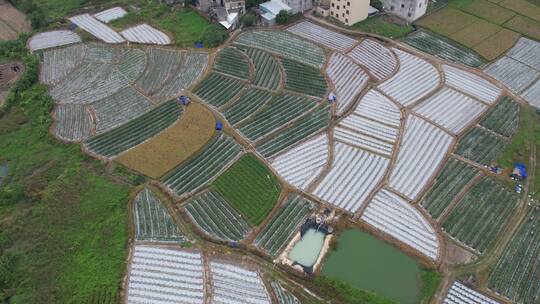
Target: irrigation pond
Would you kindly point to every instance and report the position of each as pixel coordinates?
(307, 250)
(368, 263)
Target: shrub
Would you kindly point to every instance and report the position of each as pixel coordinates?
(283, 17)
(214, 35)
(248, 19)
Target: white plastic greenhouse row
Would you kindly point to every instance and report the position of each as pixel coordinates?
(516, 75)
(322, 35)
(232, 284)
(451, 109)
(348, 78)
(52, 39)
(146, 34)
(461, 294)
(97, 28)
(110, 14)
(58, 63)
(526, 51)
(377, 59)
(353, 176)
(363, 141)
(471, 84)
(370, 127)
(300, 165)
(378, 107)
(73, 122)
(161, 66)
(393, 215)
(415, 79)
(423, 149)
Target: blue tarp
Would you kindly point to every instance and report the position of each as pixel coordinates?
(522, 169)
(219, 126)
(199, 45)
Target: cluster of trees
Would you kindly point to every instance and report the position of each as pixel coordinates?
(34, 11)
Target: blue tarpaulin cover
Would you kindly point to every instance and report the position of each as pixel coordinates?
(522, 169)
(219, 126)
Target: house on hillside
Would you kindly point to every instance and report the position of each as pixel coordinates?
(225, 12)
(349, 12)
(409, 10)
(270, 9)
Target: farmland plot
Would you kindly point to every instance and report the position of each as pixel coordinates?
(304, 79)
(213, 215)
(393, 215)
(283, 295)
(280, 230)
(267, 72)
(377, 59)
(58, 63)
(532, 94)
(217, 89)
(471, 84)
(480, 146)
(300, 165)
(348, 78)
(96, 28)
(234, 284)
(322, 35)
(503, 118)
(52, 39)
(415, 70)
(452, 181)
(353, 176)
(284, 44)
(443, 48)
(132, 64)
(119, 108)
(88, 75)
(233, 62)
(111, 83)
(103, 53)
(134, 132)
(451, 109)
(144, 33)
(481, 214)
(377, 107)
(201, 169)
(72, 122)
(516, 273)
(282, 110)
(162, 64)
(249, 103)
(526, 51)
(165, 275)
(461, 294)
(192, 68)
(153, 221)
(512, 73)
(422, 150)
(111, 14)
(250, 187)
(299, 130)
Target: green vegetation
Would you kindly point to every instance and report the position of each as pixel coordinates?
(214, 35)
(382, 25)
(64, 224)
(250, 187)
(481, 146)
(303, 78)
(248, 19)
(430, 280)
(233, 62)
(503, 118)
(345, 293)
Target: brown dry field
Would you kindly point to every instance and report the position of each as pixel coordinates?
(12, 22)
(6, 32)
(447, 21)
(171, 147)
(489, 11)
(528, 27)
(497, 44)
(475, 33)
(523, 7)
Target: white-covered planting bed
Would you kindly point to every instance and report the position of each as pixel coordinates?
(73, 122)
(348, 78)
(471, 84)
(300, 165)
(378, 107)
(162, 65)
(514, 74)
(322, 35)
(415, 79)
(353, 176)
(193, 67)
(96, 28)
(165, 275)
(110, 14)
(451, 109)
(422, 151)
(144, 33)
(58, 63)
(461, 294)
(526, 51)
(236, 285)
(393, 215)
(377, 59)
(52, 39)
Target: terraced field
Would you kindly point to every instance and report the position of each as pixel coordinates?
(250, 187)
(282, 227)
(267, 71)
(450, 182)
(503, 118)
(302, 78)
(233, 62)
(245, 106)
(214, 215)
(162, 64)
(480, 146)
(217, 89)
(283, 295)
(516, 273)
(482, 213)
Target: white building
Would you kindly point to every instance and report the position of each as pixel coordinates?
(349, 12)
(270, 9)
(409, 10)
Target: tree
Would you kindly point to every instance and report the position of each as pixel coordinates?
(283, 17)
(248, 19)
(377, 4)
(214, 35)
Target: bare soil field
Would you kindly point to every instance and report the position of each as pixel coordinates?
(168, 149)
(12, 22)
(497, 44)
(9, 73)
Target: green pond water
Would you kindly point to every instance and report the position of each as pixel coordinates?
(307, 250)
(368, 263)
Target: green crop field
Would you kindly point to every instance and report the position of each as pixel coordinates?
(250, 187)
(233, 62)
(305, 79)
(503, 118)
(218, 90)
(481, 146)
